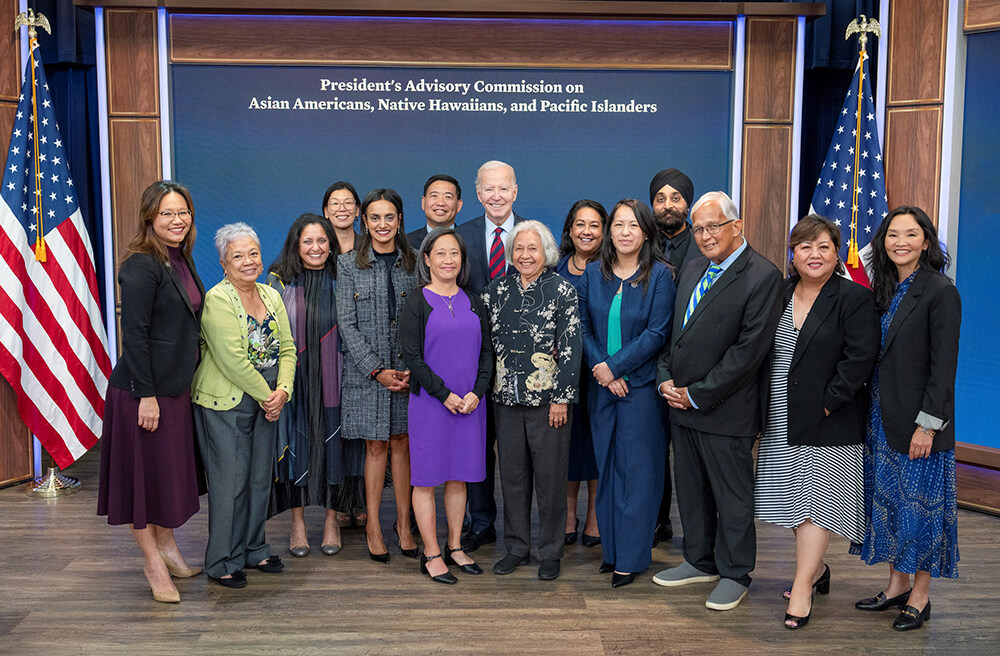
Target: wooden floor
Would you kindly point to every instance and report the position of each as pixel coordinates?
(71, 584)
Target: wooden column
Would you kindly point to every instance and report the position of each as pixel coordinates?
(916, 35)
(133, 118)
(15, 440)
(768, 112)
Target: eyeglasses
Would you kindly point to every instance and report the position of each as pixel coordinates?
(712, 229)
(183, 214)
(337, 204)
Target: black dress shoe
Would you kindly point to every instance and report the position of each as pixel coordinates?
(238, 580)
(447, 578)
(272, 565)
(822, 585)
(549, 570)
(509, 563)
(473, 539)
(468, 568)
(796, 621)
(879, 602)
(378, 558)
(605, 568)
(590, 540)
(910, 618)
(409, 553)
(663, 532)
(572, 535)
(621, 580)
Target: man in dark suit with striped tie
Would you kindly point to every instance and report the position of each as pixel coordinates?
(726, 311)
(485, 243)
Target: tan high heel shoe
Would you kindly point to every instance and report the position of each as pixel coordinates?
(166, 597)
(177, 570)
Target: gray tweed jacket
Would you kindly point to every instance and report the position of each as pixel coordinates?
(370, 339)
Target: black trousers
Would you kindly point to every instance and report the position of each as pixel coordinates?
(715, 499)
(482, 496)
(663, 516)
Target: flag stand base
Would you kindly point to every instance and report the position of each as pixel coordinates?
(52, 485)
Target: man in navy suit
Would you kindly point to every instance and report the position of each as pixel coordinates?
(726, 311)
(441, 203)
(485, 243)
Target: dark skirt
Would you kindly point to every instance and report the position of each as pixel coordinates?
(148, 478)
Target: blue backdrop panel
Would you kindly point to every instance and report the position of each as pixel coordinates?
(978, 387)
(266, 167)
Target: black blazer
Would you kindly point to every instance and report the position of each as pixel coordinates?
(833, 359)
(474, 235)
(412, 335)
(718, 355)
(416, 238)
(917, 363)
(159, 329)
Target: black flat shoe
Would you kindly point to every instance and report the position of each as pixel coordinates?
(378, 558)
(469, 568)
(605, 568)
(447, 578)
(549, 570)
(409, 553)
(822, 585)
(590, 540)
(663, 532)
(910, 618)
(272, 565)
(508, 564)
(572, 535)
(238, 580)
(799, 622)
(473, 540)
(621, 580)
(880, 602)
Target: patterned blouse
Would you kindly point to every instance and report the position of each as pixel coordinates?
(537, 339)
(264, 345)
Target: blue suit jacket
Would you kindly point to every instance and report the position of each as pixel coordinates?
(474, 235)
(645, 319)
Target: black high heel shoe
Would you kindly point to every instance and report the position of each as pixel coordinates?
(409, 553)
(800, 622)
(910, 618)
(447, 578)
(469, 568)
(378, 558)
(572, 535)
(822, 585)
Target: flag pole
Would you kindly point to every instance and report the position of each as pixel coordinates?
(53, 483)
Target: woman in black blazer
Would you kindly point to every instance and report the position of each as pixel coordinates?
(910, 463)
(149, 478)
(810, 475)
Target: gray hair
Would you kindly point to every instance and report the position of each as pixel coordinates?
(495, 164)
(725, 203)
(544, 234)
(229, 233)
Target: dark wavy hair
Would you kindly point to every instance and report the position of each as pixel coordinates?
(145, 239)
(884, 276)
(424, 272)
(407, 259)
(809, 228)
(288, 265)
(649, 253)
(566, 242)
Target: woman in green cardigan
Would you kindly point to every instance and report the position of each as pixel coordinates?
(239, 389)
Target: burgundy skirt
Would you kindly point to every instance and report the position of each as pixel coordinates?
(148, 478)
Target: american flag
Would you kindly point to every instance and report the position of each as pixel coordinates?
(53, 345)
(851, 187)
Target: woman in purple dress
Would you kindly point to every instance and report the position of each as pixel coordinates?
(444, 333)
(149, 479)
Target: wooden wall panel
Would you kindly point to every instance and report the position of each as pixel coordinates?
(16, 462)
(10, 55)
(770, 70)
(913, 163)
(917, 51)
(8, 110)
(132, 66)
(495, 42)
(135, 164)
(982, 15)
(764, 207)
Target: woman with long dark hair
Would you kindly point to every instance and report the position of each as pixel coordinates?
(374, 282)
(582, 235)
(342, 205)
(626, 304)
(910, 494)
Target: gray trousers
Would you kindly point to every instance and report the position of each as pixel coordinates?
(532, 454)
(237, 447)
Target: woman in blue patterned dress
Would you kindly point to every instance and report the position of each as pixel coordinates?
(910, 456)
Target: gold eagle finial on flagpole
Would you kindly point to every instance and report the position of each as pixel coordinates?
(32, 20)
(862, 29)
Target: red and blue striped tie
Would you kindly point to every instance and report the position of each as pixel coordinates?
(497, 265)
